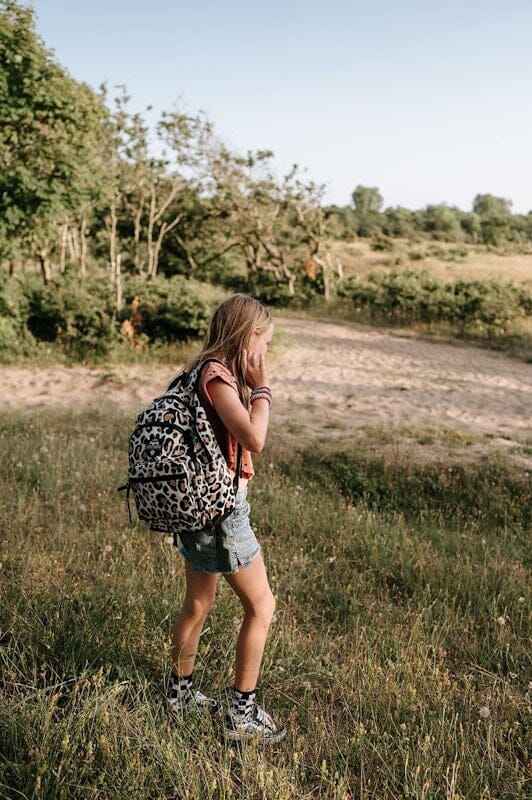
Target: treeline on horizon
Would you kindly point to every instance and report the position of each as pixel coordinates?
(93, 202)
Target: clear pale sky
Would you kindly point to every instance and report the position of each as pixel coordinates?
(430, 101)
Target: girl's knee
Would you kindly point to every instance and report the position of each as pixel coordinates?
(263, 607)
(270, 603)
(198, 607)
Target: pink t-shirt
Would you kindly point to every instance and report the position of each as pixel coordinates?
(226, 440)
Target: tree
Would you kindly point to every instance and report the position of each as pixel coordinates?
(367, 199)
(276, 223)
(442, 222)
(398, 221)
(50, 141)
(488, 205)
(495, 218)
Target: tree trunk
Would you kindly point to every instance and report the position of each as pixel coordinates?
(137, 229)
(118, 293)
(111, 229)
(46, 269)
(190, 258)
(73, 244)
(163, 231)
(152, 269)
(62, 247)
(153, 218)
(291, 286)
(326, 278)
(83, 247)
(157, 248)
(326, 267)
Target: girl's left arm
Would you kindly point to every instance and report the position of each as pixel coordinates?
(248, 427)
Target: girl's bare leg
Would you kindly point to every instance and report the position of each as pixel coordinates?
(253, 590)
(199, 599)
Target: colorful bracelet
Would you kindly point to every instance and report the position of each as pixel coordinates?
(261, 390)
(261, 396)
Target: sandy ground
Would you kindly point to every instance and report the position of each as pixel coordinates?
(337, 380)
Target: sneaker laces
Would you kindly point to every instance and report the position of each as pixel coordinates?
(202, 700)
(262, 717)
(195, 699)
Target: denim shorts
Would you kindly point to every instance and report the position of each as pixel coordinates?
(232, 544)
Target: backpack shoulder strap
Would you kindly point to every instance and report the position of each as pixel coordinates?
(238, 470)
(186, 375)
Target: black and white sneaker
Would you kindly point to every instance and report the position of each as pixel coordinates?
(256, 724)
(196, 702)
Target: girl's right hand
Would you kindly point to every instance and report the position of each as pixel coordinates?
(254, 366)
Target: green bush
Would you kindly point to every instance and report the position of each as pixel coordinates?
(9, 335)
(15, 293)
(170, 309)
(77, 315)
(266, 288)
(381, 243)
(416, 296)
(449, 254)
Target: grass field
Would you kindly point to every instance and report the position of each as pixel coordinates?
(399, 656)
(446, 261)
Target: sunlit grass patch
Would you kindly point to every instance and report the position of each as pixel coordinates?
(398, 656)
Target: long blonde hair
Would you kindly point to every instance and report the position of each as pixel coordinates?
(228, 334)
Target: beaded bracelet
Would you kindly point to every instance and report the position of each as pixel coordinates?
(261, 390)
(261, 396)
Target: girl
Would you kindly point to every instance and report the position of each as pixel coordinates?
(237, 398)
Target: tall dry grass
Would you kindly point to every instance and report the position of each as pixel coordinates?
(446, 261)
(399, 656)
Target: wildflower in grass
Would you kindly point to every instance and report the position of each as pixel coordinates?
(484, 712)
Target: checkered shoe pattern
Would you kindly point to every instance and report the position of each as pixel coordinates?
(182, 697)
(242, 704)
(246, 720)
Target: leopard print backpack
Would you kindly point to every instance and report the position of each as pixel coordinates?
(177, 473)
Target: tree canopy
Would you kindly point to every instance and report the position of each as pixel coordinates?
(50, 139)
(85, 183)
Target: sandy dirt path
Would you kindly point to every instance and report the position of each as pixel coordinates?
(331, 377)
